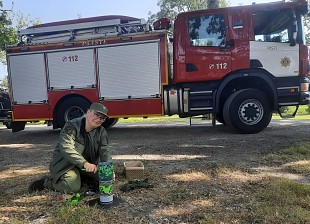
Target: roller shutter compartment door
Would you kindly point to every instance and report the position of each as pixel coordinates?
(129, 71)
(71, 69)
(28, 78)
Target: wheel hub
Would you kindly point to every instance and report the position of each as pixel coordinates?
(251, 112)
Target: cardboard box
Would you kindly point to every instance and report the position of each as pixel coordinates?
(134, 170)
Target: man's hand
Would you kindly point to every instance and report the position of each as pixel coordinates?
(91, 168)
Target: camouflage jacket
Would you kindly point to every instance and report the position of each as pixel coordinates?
(75, 144)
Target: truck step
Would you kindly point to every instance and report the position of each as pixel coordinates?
(200, 102)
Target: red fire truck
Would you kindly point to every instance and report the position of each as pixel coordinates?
(238, 63)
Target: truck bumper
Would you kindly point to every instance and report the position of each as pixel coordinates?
(304, 98)
(304, 91)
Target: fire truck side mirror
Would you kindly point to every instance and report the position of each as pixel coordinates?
(294, 31)
(162, 24)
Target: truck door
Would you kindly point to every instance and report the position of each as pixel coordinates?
(207, 55)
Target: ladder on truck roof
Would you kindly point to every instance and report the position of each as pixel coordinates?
(82, 31)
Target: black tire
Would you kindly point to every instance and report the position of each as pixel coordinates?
(8, 124)
(109, 123)
(71, 108)
(5, 100)
(247, 111)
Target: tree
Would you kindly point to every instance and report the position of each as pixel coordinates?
(6, 29)
(170, 8)
(4, 84)
(213, 4)
(10, 23)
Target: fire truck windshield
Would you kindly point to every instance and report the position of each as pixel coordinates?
(275, 25)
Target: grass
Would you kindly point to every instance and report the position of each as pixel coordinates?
(297, 117)
(208, 195)
(281, 201)
(198, 196)
(230, 196)
(294, 159)
(79, 214)
(233, 195)
(294, 153)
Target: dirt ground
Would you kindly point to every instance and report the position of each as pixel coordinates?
(172, 152)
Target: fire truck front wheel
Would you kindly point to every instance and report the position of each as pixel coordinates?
(247, 111)
(71, 108)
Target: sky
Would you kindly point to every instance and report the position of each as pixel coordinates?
(58, 10)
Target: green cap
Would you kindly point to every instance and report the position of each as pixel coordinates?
(99, 108)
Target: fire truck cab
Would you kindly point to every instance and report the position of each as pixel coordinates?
(241, 63)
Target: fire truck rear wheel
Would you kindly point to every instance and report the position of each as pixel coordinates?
(71, 108)
(247, 111)
(8, 124)
(109, 123)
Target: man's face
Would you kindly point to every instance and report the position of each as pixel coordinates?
(94, 118)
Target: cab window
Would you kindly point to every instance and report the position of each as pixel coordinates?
(273, 25)
(207, 31)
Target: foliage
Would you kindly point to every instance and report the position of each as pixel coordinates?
(11, 23)
(6, 28)
(302, 110)
(307, 25)
(6, 37)
(170, 8)
(4, 84)
(308, 109)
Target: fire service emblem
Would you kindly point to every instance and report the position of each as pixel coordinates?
(285, 62)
